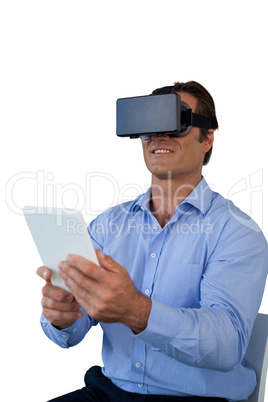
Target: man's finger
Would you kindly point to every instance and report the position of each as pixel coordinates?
(86, 267)
(59, 306)
(44, 273)
(108, 263)
(57, 294)
(92, 270)
(57, 317)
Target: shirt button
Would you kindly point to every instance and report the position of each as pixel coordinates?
(155, 227)
(153, 255)
(64, 336)
(138, 365)
(140, 385)
(147, 291)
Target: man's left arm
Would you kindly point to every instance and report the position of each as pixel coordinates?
(216, 335)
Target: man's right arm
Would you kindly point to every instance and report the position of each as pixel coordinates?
(63, 320)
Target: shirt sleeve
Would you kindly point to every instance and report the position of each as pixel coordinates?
(216, 335)
(71, 336)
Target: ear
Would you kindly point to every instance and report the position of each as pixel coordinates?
(208, 141)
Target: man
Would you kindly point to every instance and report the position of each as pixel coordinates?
(177, 292)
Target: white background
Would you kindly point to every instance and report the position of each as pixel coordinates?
(63, 65)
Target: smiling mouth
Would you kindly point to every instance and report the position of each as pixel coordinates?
(162, 151)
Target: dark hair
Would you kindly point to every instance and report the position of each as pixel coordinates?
(205, 106)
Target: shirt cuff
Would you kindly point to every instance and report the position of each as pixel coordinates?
(70, 336)
(163, 325)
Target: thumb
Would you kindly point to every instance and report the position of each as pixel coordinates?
(44, 273)
(108, 263)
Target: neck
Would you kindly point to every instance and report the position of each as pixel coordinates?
(168, 193)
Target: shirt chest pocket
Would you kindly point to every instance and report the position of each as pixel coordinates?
(178, 285)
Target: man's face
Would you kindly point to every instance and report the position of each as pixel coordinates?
(177, 156)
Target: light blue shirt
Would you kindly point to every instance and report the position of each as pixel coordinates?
(205, 272)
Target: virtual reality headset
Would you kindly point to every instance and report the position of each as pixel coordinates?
(159, 114)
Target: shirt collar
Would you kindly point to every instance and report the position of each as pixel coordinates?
(200, 198)
(143, 201)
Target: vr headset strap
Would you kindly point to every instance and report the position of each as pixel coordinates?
(188, 118)
(164, 90)
(197, 120)
(201, 121)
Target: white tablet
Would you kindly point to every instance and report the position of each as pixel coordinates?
(58, 232)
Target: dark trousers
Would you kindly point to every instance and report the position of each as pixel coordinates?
(99, 388)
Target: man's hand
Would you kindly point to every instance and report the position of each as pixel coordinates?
(59, 307)
(106, 293)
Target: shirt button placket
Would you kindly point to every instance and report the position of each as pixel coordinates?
(139, 357)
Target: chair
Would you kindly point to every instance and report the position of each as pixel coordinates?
(257, 355)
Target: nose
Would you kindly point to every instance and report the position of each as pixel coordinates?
(154, 136)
